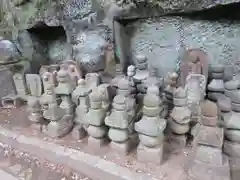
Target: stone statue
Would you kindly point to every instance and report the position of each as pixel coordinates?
(118, 122)
(81, 90)
(150, 130)
(195, 61)
(65, 86)
(34, 109)
(95, 117)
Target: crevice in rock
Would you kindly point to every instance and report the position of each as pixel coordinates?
(46, 33)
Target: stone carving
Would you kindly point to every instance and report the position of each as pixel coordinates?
(105, 92)
(95, 117)
(195, 62)
(67, 105)
(49, 80)
(65, 85)
(195, 87)
(92, 80)
(131, 71)
(118, 75)
(74, 71)
(216, 85)
(141, 71)
(81, 122)
(180, 118)
(124, 90)
(118, 122)
(81, 90)
(34, 84)
(150, 130)
(170, 85)
(20, 84)
(34, 109)
(60, 124)
(208, 154)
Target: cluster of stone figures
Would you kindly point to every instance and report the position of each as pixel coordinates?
(140, 109)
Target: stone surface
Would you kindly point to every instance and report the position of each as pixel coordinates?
(232, 135)
(209, 109)
(6, 83)
(236, 107)
(181, 115)
(232, 121)
(224, 104)
(150, 155)
(211, 136)
(34, 84)
(178, 128)
(205, 171)
(20, 84)
(209, 155)
(231, 148)
(209, 121)
(216, 85)
(231, 85)
(57, 129)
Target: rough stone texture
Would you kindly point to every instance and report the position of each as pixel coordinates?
(161, 39)
(211, 136)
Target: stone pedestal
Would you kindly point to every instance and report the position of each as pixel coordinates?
(152, 155)
(209, 162)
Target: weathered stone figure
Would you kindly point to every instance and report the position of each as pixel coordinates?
(60, 124)
(81, 122)
(180, 118)
(150, 130)
(34, 84)
(95, 117)
(118, 121)
(34, 109)
(195, 62)
(65, 86)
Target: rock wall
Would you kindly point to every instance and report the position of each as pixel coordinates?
(163, 39)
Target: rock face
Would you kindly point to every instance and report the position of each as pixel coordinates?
(157, 40)
(161, 40)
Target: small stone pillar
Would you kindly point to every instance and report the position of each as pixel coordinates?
(118, 122)
(35, 112)
(131, 71)
(118, 75)
(150, 130)
(124, 90)
(47, 97)
(60, 124)
(81, 124)
(180, 118)
(208, 161)
(216, 86)
(95, 117)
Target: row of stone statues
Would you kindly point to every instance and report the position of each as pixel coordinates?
(142, 109)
